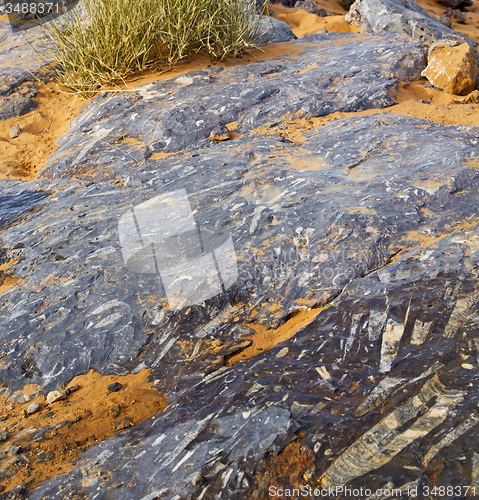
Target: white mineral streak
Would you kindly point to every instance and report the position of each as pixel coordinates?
(420, 331)
(165, 349)
(450, 437)
(378, 395)
(390, 344)
(456, 317)
(282, 352)
(352, 333)
(388, 385)
(192, 434)
(383, 442)
(376, 323)
(475, 470)
(324, 374)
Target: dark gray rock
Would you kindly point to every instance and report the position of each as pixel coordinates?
(373, 218)
(373, 187)
(180, 114)
(311, 7)
(275, 31)
(396, 344)
(402, 16)
(116, 386)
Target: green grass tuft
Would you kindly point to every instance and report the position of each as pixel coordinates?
(109, 39)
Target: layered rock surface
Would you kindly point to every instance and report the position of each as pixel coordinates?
(402, 16)
(373, 218)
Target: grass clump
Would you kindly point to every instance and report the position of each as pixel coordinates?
(106, 40)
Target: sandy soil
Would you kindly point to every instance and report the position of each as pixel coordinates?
(303, 24)
(22, 157)
(264, 339)
(69, 427)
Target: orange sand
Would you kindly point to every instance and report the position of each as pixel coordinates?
(80, 420)
(22, 157)
(264, 339)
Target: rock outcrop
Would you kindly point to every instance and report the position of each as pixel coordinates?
(345, 352)
(402, 16)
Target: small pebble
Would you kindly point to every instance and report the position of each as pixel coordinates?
(3, 436)
(16, 449)
(459, 16)
(123, 424)
(446, 21)
(72, 389)
(33, 408)
(54, 396)
(116, 386)
(15, 131)
(115, 411)
(220, 133)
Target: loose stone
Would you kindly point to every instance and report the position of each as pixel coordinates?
(115, 411)
(54, 396)
(15, 131)
(219, 134)
(116, 386)
(453, 69)
(33, 408)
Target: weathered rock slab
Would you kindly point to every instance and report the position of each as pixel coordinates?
(402, 16)
(321, 75)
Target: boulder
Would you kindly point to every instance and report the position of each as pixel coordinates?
(456, 4)
(311, 7)
(381, 227)
(453, 69)
(403, 16)
(274, 31)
